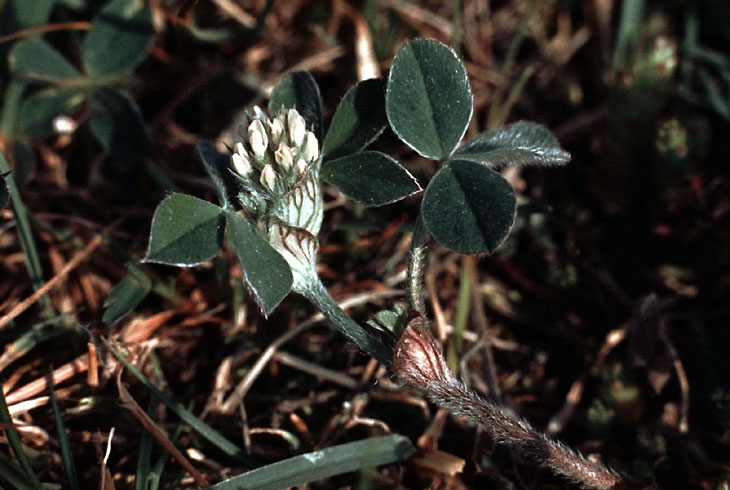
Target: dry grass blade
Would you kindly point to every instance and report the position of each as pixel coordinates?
(71, 265)
(61, 374)
(149, 425)
(316, 370)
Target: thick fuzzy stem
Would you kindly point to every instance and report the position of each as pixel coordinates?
(419, 361)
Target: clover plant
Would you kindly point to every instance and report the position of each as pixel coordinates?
(270, 210)
(269, 187)
(47, 89)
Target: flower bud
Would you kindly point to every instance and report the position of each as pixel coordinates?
(311, 147)
(301, 167)
(418, 359)
(259, 114)
(242, 164)
(268, 177)
(287, 207)
(297, 127)
(257, 138)
(283, 156)
(276, 130)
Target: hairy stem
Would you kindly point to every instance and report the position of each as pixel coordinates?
(314, 291)
(417, 267)
(509, 429)
(418, 360)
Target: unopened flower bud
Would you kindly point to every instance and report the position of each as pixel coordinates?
(311, 147)
(242, 164)
(276, 130)
(259, 114)
(257, 138)
(283, 156)
(418, 359)
(239, 148)
(297, 127)
(301, 166)
(268, 177)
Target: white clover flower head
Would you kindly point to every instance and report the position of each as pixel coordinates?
(277, 161)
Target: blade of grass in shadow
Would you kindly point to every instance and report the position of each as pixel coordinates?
(496, 110)
(327, 462)
(156, 471)
(35, 335)
(206, 431)
(15, 476)
(142, 476)
(14, 441)
(66, 454)
(149, 425)
(13, 93)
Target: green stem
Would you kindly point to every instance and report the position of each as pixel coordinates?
(463, 307)
(314, 291)
(496, 109)
(33, 262)
(512, 96)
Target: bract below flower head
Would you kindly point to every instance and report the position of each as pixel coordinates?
(283, 198)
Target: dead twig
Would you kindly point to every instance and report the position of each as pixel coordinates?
(316, 370)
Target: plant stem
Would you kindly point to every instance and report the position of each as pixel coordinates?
(507, 428)
(314, 291)
(417, 267)
(463, 307)
(419, 361)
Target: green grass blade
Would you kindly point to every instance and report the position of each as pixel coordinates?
(34, 336)
(156, 471)
(20, 212)
(463, 307)
(141, 479)
(14, 440)
(15, 476)
(206, 431)
(327, 462)
(631, 17)
(66, 453)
